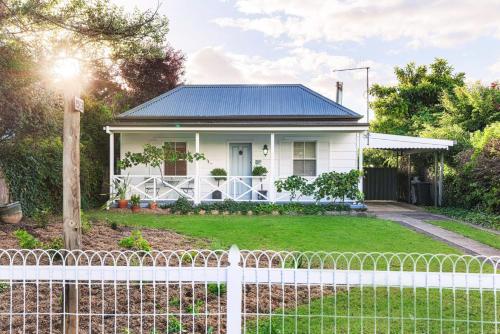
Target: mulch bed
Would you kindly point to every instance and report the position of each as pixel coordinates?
(106, 307)
(100, 237)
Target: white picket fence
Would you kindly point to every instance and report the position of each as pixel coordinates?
(204, 291)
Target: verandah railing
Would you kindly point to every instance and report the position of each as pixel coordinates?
(204, 291)
(201, 188)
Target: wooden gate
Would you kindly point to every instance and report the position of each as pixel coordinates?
(380, 184)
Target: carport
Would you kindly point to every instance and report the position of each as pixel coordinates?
(382, 181)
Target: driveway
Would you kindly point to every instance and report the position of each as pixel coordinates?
(416, 218)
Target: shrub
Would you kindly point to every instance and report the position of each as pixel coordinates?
(135, 242)
(55, 244)
(217, 289)
(112, 223)
(196, 308)
(174, 326)
(333, 186)
(294, 184)
(176, 302)
(26, 240)
(470, 216)
(182, 205)
(85, 223)
(259, 171)
(41, 217)
(219, 174)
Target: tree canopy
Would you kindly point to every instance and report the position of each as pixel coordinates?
(126, 60)
(415, 102)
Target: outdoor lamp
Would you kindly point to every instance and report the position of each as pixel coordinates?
(265, 150)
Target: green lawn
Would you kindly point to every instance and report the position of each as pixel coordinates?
(385, 310)
(485, 237)
(300, 233)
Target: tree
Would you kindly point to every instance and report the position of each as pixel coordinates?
(27, 110)
(471, 107)
(148, 77)
(415, 102)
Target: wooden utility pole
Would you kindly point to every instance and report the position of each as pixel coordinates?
(71, 198)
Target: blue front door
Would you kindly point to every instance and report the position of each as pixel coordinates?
(240, 159)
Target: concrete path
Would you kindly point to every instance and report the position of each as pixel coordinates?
(415, 218)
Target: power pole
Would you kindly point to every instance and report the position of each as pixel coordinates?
(71, 196)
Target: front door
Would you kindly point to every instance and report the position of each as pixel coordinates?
(240, 159)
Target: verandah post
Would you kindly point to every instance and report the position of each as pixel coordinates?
(272, 191)
(111, 161)
(234, 291)
(197, 171)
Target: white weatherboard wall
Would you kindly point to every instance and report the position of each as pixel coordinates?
(336, 151)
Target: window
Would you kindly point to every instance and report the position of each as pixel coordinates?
(304, 158)
(178, 167)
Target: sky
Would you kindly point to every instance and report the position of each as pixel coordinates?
(303, 41)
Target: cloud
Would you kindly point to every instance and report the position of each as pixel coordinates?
(495, 68)
(214, 65)
(443, 23)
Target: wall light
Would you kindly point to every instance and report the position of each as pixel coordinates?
(265, 150)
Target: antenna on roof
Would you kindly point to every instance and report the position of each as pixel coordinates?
(367, 68)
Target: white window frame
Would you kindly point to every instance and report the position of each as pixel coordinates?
(304, 158)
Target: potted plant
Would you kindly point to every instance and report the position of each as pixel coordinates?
(260, 171)
(153, 205)
(135, 202)
(121, 188)
(219, 174)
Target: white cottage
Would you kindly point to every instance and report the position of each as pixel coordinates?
(289, 129)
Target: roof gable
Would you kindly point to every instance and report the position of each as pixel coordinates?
(239, 101)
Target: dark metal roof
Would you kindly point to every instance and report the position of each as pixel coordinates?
(240, 101)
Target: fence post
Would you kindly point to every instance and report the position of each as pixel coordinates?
(234, 292)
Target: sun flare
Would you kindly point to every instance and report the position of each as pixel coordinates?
(66, 68)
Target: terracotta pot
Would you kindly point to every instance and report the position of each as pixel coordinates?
(153, 205)
(11, 213)
(123, 203)
(136, 208)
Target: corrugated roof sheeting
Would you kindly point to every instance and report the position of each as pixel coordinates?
(239, 100)
(395, 142)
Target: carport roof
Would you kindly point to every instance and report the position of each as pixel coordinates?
(406, 143)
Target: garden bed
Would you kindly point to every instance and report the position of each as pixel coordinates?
(100, 236)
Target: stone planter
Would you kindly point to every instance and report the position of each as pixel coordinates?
(11, 213)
